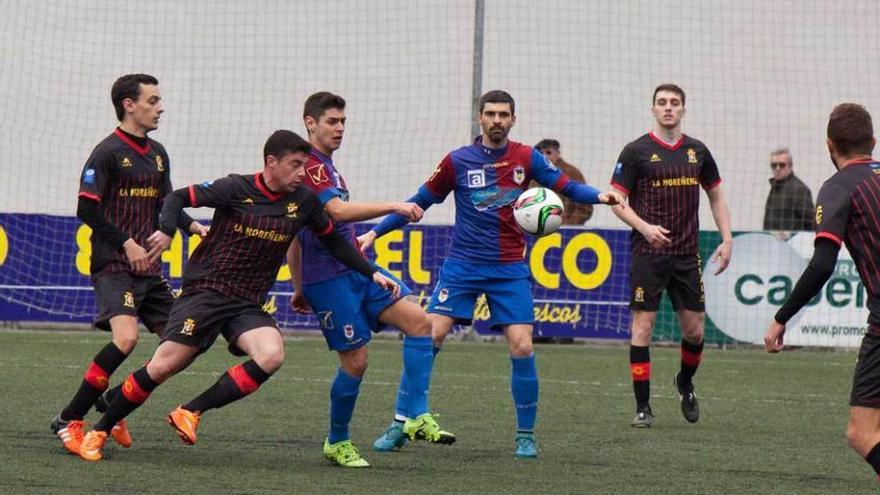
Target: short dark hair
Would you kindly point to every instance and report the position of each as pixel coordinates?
(320, 102)
(497, 96)
(129, 86)
(850, 129)
(672, 88)
(282, 142)
(545, 144)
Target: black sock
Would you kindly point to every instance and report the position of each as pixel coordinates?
(640, 369)
(94, 382)
(238, 381)
(691, 355)
(873, 458)
(135, 390)
(109, 396)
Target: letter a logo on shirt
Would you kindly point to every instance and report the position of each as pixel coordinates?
(476, 178)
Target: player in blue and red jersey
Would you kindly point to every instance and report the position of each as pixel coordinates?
(848, 212)
(348, 306)
(487, 249)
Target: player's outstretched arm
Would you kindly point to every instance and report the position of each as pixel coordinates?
(654, 234)
(818, 271)
(718, 204)
(348, 211)
(424, 198)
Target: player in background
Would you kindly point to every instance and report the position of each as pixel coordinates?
(120, 196)
(486, 255)
(661, 173)
(848, 211)
(348, 307)
(225, 284)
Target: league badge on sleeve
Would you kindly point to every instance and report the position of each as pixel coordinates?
(618, 169)
(89, 176)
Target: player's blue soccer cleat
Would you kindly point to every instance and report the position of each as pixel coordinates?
(526, 448)
(391, 439)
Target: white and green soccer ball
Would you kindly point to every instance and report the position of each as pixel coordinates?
(538, 211)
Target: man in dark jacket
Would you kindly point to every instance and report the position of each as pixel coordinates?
(790, 203)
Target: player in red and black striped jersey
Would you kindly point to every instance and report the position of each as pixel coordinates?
(226, 282)
(662, 173)
(121, 190)
(848, 212)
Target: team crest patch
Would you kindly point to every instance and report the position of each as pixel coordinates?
(692, 156)
(189, 326)
(291, 210)
(476, 178)
(160, 166)
(326, 319)
(348, 330)
(519, 174)
(443, 295)
(128, 299)
(317, 174)
(126, 162)
(640, 295)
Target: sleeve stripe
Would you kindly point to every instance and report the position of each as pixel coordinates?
(712, 185)
(192, 195)
(829, 235)
(620, 188)
(93, 197)
(326, 230)
(561, 182)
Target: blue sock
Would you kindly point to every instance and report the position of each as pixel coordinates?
(401, 407)
(524, 387)
(343, 395)
(418, 361)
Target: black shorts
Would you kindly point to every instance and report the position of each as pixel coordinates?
(866, 379)
(681, 276)
(200, 315)
(121, 293)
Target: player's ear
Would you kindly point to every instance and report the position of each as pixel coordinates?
(512, 120)
(310, 123)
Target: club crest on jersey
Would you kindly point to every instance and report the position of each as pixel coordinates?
(443, 295)
(160, 166)
(317, 173)
(128, 299)
(519, 174)
(476, 178)
(325, 318)
(291, 210)
(818, 214)
(126, 162)
(640, 295)
(655, 158)
(692, 156)
(348, 330)
(189, 326)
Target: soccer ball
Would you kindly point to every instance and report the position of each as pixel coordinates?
(538, 211)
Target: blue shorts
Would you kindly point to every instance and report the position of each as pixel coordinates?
(348, 307)
(508, 289)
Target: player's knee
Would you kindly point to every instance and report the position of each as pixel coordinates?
(521, 348)
(126, 341)
(270, 359)
(421, 326)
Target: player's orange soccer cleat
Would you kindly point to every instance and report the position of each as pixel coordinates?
(185, 423)
(92, 444)
(70, 433)
(120, 434)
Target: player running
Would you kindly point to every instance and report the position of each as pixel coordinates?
(487, 250)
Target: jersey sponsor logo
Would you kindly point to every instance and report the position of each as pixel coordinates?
(348, 331)
(692, 156)
(317, 174)
(264, 234)
(160, 166)
(126, 162)
(325, 318)
(476, 178)
(89, 176)
(291, 210)
(675, 182)
(639, 295)
(189, 326)
(519, 174)
(443, 295)
(494, 197)
(655, 158)
(496, 165)
(818, 214)
(128, 299)
(139, 192)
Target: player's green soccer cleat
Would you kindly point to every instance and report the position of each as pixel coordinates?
(345, 454)
(425, 427)
(391, 439)
(526, 448)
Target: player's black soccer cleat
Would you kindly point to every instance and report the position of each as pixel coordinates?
(690, 408)
(644, 418)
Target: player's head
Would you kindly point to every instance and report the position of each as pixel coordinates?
(667, 105)
(496, 116)
(324, 116)
(285, 155)
(550, 149)
(850, 133)
(781, 163)
(137, 101)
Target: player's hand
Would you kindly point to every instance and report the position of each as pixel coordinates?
(656, 236)
(158, 242)
(773, 337)
(198, 229)
(722, 256)
(299, 304)
(411, 211)
(137, 256)
(366, 240)
(612, 197)
(387, 284)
